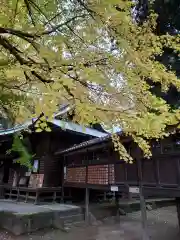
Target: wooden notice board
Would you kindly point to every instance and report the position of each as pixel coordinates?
(75, 175)
(36, 180)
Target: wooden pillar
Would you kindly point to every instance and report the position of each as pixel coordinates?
(143, 217)
(105, 198)
(87, 195)
(63, 172)
(62, 194)
(142, 202)
(178, 209)
(156, 165)
(117, 206)
(87, 205)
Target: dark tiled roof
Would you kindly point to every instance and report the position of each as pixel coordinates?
(84, 145)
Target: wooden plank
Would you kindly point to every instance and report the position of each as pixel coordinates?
(167, 171)
(142, 202)
(178, 170)
(178, 210)
(87, 205)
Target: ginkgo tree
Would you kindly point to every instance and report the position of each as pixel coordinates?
(92, 54)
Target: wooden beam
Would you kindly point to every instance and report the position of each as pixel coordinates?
(142, 202)
(178, 210)
(87, 196)
(117, 206)
(87, 205)
(64, 168)
(85, 148)
(143, 217)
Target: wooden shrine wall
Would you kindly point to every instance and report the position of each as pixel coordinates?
(157, 173)
(45, 144)
(161, 171)
(48, 165)
(101, 174)
(90, 168)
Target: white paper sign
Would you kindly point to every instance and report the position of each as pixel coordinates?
(65, 172)
(114, 189)
(28, 174)
(133, 189)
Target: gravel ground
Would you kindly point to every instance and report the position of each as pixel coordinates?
(162, 225)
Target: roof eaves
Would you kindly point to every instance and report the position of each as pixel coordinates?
(62, 124)
(78, 128)
(85, 144)
(20, 127)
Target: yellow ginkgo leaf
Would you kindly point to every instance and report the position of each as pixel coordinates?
(38, 130)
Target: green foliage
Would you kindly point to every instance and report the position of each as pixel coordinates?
(92, 54)
(24, 156)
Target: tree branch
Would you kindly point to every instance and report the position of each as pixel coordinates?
(91, 13)
(15, 12)
(104, 109)
(54, 17)
(39, 10)
(17, 33)
(13, 50)
(41, 78)
(29, 11)
(55, 28)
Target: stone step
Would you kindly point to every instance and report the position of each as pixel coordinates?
(60, 222)
(67, 223)
(69, 226)
(45, 216)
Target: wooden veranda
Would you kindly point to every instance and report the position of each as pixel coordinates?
(95, 165)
